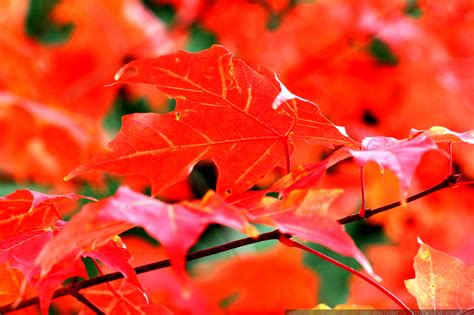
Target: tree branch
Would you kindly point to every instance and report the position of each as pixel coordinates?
(288, 242)
(450, 181)
(81, 298)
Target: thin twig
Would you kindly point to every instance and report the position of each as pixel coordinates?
(288, 242)
(81, 298)
(450, 181)
(362, 192)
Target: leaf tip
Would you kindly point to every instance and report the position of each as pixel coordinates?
(68, 177)
(418, 239)
(119, 73)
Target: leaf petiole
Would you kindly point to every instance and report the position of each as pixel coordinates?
(284, 239)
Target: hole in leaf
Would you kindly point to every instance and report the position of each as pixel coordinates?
(171, 104)
(273, 194)
(203, 177)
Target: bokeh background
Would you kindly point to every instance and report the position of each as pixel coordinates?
(377, 67)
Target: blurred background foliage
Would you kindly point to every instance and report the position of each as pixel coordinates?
(375, 64)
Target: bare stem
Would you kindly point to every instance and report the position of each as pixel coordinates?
(81, 298)
(450, 181)
(287, 241)
(362, 192)
(450, 152)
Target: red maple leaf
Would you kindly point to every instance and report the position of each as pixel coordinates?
(442, 281)
(25, 210)
(225, 110)
(19, 252)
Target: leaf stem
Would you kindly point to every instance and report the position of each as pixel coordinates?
(450, 152)
(450, 181)
(288, 242)
(362, 192)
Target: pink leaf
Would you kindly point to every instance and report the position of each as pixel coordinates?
(400, 156)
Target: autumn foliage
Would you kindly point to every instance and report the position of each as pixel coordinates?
(208, 157)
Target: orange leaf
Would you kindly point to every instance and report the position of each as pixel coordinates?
(25, 210)
(442, 281)
(20, 251)
(443, 134)
(10, 285)
(260, 282)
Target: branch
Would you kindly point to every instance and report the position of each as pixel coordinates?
(450, 181)
(81, 298)
(68, 290)
(288, 242)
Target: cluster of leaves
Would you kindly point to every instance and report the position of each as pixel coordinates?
(371, 67)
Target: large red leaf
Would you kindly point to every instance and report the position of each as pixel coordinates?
(400, 156)
(224, 111)
(442, 281)
(25, 210)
